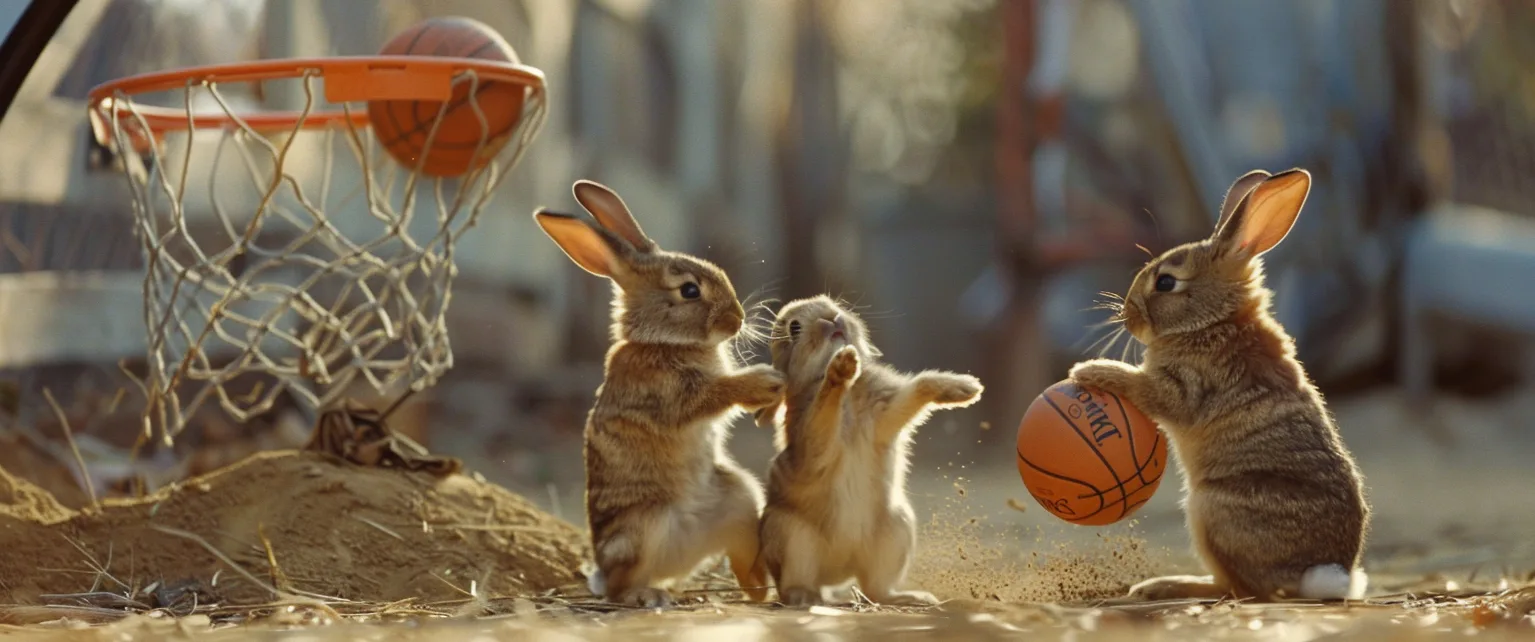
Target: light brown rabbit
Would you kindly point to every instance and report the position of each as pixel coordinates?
(1275, 504)
(662, 494)
(837, 507)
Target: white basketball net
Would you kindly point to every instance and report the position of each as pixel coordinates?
(308, 258)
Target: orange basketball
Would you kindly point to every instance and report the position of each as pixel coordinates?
(402, 125)
(1088, 456)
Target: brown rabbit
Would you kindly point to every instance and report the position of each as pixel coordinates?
(1275, 504)
(662, 494)
(837, 507)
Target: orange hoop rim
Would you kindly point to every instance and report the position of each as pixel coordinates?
(346, 79)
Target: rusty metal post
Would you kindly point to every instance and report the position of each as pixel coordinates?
(1016, 363)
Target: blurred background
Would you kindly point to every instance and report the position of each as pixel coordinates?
(972, 173)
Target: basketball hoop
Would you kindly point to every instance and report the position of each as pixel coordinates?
(292, 245)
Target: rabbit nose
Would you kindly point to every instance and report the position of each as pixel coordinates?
(733, 319)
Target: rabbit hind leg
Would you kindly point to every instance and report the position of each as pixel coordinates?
(794, 554)
(625, 571)
(737, 527)
(885, 562)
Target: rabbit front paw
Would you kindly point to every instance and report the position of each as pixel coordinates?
(951, 389)
(760, 386)
(1104, 374)
(844, 367)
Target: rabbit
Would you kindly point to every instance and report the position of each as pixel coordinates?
(662, 494)
(1274, 501)
(837, 508)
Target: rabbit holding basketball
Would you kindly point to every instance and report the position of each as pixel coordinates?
(837, 508)
(662, 495)
(1274, 501)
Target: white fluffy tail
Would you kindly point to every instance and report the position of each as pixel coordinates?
(594, 580)
(1333, 582)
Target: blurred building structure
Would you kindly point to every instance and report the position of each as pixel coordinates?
(970, 172)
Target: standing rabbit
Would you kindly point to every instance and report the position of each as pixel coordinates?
(1275, 504)
(662, 494)
(837, 508)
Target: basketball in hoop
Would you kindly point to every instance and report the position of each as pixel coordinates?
(297, 248)
(468, 132)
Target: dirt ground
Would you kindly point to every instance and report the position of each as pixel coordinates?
(332, 551)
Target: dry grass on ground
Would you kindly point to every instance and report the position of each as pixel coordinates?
(1496, 616)
(296, 544)
(288, 521)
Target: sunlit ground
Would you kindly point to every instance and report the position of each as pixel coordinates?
(1450, 556)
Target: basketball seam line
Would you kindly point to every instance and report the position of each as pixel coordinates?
(421, 126)
(392, 120)
(1103, 506)
(1091, 446)
(1140, 466)
(1130, 436)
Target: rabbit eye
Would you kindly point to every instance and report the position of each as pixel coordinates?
(690, 290)
(1166, 283)
(793, 328)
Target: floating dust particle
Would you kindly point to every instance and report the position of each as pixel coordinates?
(985, 425)
(1102, 569)
(961, 555)
(1016, 505)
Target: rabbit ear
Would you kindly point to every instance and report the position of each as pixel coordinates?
(1264, 217)
(612, 213)
(1239, 189)
(594, 249)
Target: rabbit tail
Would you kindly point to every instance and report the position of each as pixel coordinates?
(1333, 582)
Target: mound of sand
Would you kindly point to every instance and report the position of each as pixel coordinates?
(339, 530)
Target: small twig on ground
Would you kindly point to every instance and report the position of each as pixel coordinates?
(451, 585)
(273, 570)
(96, 567)
(407, 604)
(474, 606)
(100, 599)
(495, 528)
(379, 526)
(133, 570)
(728, 589)
(294, 596)
(24, 615)
(478, 602)
(69, 435)
(198, 539)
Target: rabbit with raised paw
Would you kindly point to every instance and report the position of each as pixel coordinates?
(837, 509)
(662, 494)
(1274, 501)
